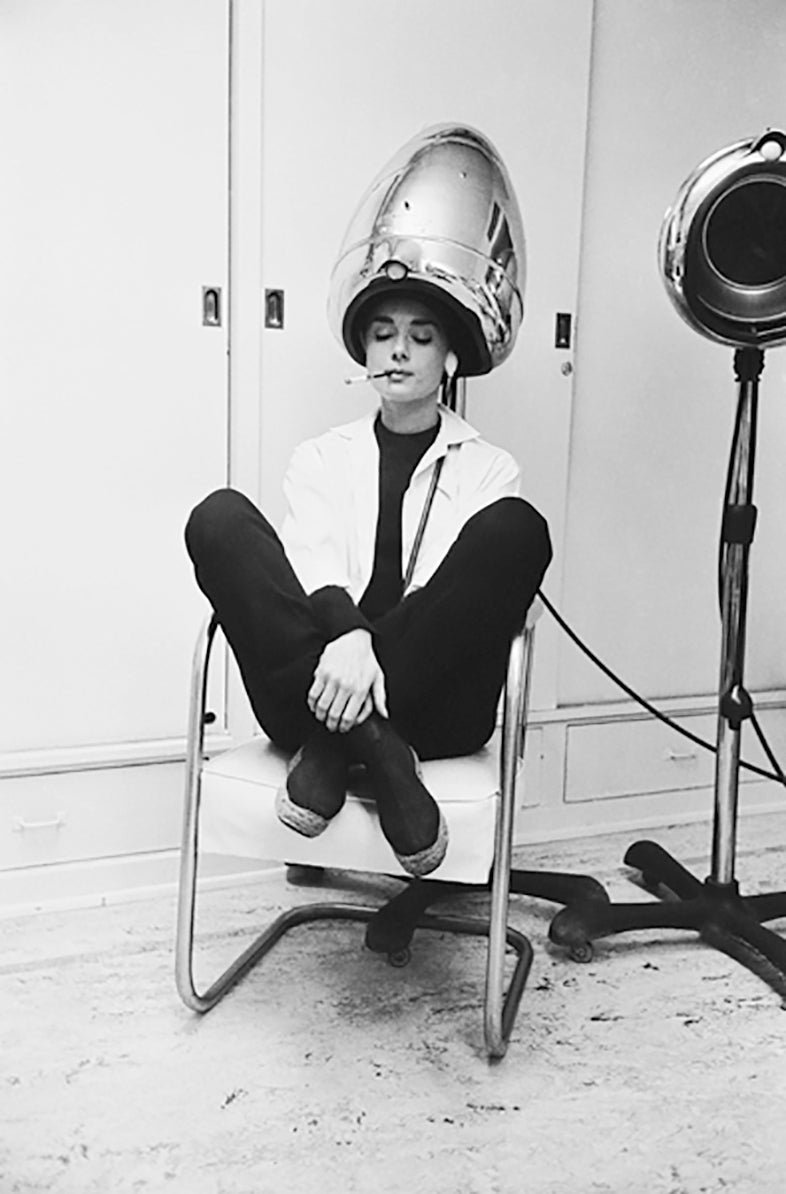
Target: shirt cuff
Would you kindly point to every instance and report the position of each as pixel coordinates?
(337, 613)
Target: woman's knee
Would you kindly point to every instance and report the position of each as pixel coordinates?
(511, 529)
(211, 522)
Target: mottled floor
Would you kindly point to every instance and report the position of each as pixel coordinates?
(659, 1067)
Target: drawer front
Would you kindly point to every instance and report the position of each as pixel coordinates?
(609, 760)
(631, 758)
(89, 814)
(529, 792)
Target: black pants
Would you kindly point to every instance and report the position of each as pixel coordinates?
(443, 649)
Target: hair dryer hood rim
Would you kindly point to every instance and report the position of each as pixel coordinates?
(722, 308)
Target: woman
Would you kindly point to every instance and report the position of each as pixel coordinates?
(342, 661)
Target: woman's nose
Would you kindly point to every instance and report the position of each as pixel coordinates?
(400, 348)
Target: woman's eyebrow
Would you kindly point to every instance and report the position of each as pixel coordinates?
(415, 322)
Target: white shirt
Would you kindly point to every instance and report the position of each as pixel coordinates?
(332, 492)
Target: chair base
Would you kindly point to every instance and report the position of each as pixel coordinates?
(722, 917)
(499, 1018)
(559, 886)
(499, 1007)
(394, 924)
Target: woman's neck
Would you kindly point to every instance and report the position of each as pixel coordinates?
(407, 418)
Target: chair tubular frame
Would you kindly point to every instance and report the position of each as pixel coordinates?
(500, 1008)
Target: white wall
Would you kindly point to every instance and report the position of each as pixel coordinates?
(113, 400)
(672, 82)
(113, 215)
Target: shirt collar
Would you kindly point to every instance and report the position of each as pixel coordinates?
(453, 430)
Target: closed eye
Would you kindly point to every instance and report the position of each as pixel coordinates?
(386, 333)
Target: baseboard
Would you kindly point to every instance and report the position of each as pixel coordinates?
(104, 757)
(103, 881)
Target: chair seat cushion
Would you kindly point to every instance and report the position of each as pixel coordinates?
(238, 815)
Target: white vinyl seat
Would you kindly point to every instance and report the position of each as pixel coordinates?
(238, 793)
(229, 809)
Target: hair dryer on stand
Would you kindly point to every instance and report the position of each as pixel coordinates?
(723, 259)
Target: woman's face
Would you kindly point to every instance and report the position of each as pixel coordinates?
(405, 342)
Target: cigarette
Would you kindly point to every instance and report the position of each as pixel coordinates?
(350, 381)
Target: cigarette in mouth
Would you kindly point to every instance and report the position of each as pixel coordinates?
(350, 381)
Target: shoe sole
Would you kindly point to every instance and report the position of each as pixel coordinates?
(424, 861)
(303, 820)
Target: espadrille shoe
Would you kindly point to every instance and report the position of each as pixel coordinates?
(316, 785)
(409, 816)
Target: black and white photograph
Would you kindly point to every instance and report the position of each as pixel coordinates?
(393, 726)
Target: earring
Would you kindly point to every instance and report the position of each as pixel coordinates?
(451, 364)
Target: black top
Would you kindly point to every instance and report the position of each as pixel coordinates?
(398, 458)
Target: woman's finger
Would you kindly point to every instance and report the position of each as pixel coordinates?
(350, 716)
(366, 709)
(324, 701)
(379, 693)
(336, 710)
(315, 691)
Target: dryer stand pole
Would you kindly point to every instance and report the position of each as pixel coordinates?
(714, 908)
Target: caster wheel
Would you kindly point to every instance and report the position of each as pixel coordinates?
(581, 953)
(300, 875)
(399, 957)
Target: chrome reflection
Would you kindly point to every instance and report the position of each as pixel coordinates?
(723, 244)
(440, 219)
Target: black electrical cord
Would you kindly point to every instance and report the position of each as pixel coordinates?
(776, 774)
(767, 749)
(727, 496)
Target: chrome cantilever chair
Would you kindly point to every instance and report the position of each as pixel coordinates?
(229, 803)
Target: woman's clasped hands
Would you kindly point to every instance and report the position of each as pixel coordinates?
(348, 683)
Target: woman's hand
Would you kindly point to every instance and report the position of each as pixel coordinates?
(348, 683)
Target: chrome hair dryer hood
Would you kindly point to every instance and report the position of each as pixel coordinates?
(440, 221)
(723, 244)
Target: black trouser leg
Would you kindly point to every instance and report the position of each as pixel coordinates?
(445, 652)
(444, 649)
(263, 610)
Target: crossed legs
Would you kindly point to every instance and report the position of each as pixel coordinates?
(443, 650)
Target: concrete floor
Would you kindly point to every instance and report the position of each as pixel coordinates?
(659, 1067)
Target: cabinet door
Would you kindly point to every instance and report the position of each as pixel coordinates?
(346, 83)
(114, 394)
(654, 406)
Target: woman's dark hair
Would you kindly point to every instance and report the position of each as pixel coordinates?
(461, 328)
